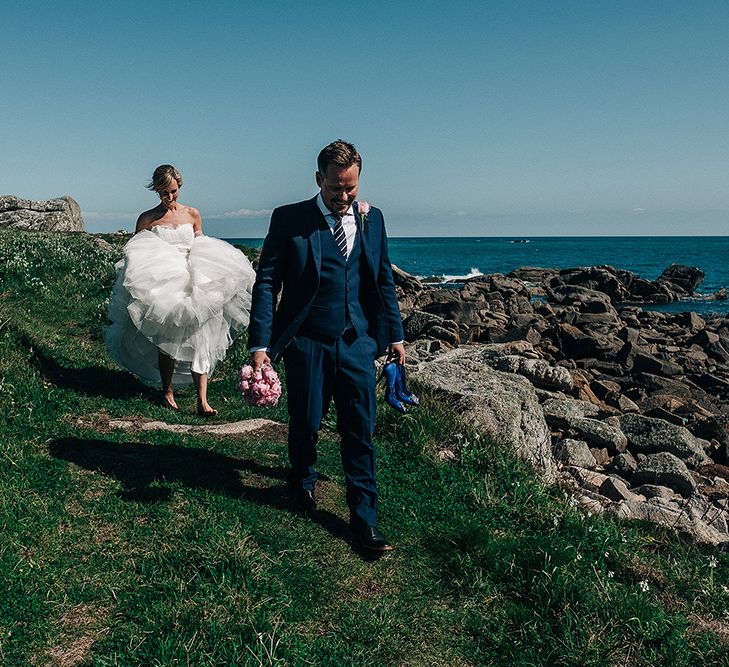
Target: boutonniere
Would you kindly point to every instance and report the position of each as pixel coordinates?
(363, 208)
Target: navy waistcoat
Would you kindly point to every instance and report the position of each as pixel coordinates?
(336, 306)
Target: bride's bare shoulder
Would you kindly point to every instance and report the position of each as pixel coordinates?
(147, 219)
(192, 212)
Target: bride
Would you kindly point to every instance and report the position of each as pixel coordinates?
(179, 299)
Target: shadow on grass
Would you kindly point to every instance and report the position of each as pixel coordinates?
(90, 380)
(144, 470)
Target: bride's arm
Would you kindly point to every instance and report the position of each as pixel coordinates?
(196, 221)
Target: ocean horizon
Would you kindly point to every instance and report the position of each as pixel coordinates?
(456, 258)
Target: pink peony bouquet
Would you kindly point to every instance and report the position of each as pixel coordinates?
(261, 388)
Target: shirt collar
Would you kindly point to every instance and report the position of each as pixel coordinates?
(328, 215)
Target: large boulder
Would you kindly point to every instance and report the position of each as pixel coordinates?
(600, 434)
(407, 282)
(54, 215)
(538, 371)
(682, 279)
(562, 412)
(665, 469)
(597, 278)
(503, 405)
(671, 516)
(648, 435)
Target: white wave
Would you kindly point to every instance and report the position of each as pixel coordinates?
(451, 278)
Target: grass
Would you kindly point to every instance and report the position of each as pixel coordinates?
(151, 548)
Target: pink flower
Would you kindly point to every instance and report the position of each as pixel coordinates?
(363, 208)
(262, 388)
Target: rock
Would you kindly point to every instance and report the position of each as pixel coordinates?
(605, 389)
(502, 404)
(615, 489)
(408, 283)
(532, 274)
(601, 455)
(662, 413)
(650, 364)
(447, 335)
(624, 464)
(561, 412)
(597, 278)
(692, 320)
(714, 470)
(587, 319)
(586, 300)
(649, 435)
(668, 515)
(62, 214)
(463, 312)
(599, 433)
(587, 479)
(538, 371)
(419, 324)
(683, 279)
(654, 491)
(590, 501)
(702, 509)
(711, 344)
(624, 404)
(574, 343)
(717, 489)
(575, 453)
(665, 469)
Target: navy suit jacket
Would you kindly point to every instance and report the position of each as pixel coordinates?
(290, 263)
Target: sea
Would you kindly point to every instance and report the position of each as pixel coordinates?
(451, 260)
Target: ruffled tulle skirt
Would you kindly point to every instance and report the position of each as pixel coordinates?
(188, 303)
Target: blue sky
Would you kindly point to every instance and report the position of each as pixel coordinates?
(473, 118)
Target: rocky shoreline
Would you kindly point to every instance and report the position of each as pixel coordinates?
(626, 407)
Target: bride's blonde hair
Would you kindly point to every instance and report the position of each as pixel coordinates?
(162, 176)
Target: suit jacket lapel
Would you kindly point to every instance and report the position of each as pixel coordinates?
(363, 237)
(317, 223)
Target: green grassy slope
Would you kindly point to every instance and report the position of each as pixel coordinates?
(149, 548)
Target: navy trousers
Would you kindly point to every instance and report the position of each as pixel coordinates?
(316, 372)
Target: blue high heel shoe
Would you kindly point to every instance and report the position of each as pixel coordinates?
(401, 388)
(390, 373)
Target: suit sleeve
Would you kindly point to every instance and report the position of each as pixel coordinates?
(386, 283)
(268, 284)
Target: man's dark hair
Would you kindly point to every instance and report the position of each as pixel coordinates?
(339, 152)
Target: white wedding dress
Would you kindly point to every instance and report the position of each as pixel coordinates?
(186, 295)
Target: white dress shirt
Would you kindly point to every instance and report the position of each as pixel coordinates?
(348, 222)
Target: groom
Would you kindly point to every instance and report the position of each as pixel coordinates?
(337, 313)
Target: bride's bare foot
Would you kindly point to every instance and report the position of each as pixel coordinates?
(169, 402)
(204, 410)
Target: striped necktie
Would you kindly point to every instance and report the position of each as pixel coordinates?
(340, 237)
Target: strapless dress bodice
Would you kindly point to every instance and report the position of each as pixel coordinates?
(181, 236)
